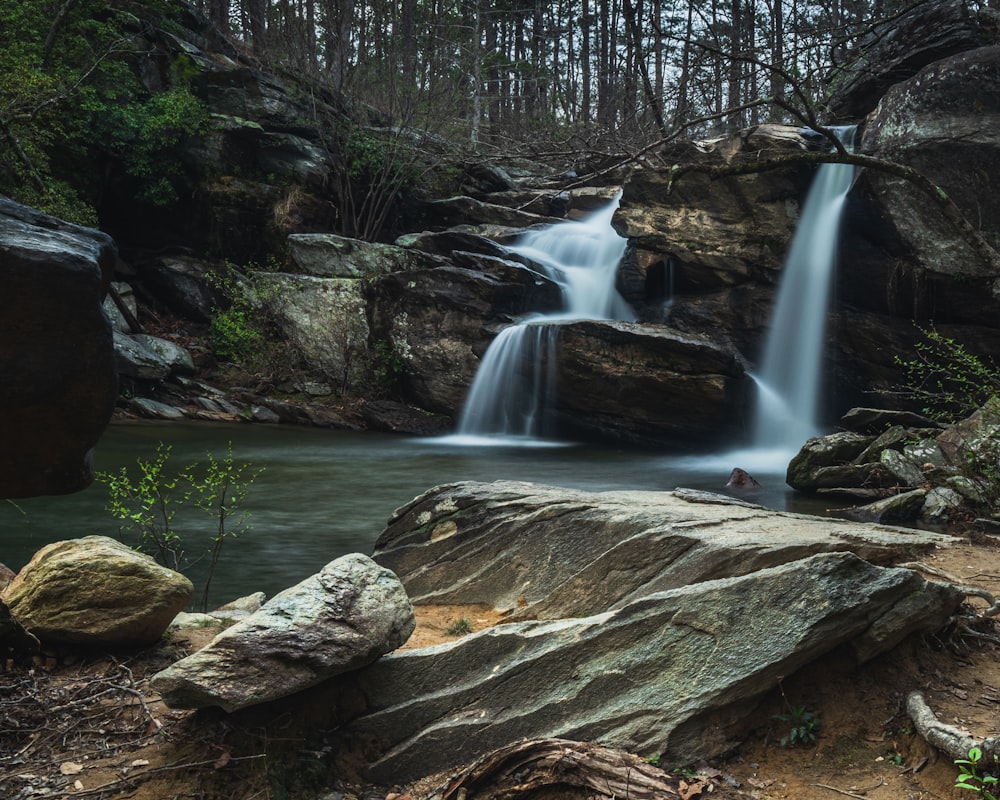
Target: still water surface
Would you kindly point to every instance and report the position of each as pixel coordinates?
(327, 493)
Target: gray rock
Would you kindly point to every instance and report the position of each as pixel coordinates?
(543, 552)
(904, 470)
(154, 409)
(342, 618)
(924, 451)
(895, 49)
(180, 283)
(648, 383)
(127, 296)
(904, 507)
(940, 505)
(326, 255)
(134, 360)
(96, 591)
(674, 672)
(59, 378)
(824, 451)
(325, 321)
(973, 439)
(943, 122)
(177, 358)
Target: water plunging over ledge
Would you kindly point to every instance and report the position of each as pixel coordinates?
(516, 380)
(789, 381)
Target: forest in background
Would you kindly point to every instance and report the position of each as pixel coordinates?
(500, 72)
(549, 79)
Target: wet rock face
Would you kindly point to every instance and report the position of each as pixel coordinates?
(432, 323)
(57, 362)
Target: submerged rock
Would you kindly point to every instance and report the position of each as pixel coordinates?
(344, 617)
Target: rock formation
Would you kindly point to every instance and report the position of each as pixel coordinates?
(653, 621)
(911, 470)
(58, 368)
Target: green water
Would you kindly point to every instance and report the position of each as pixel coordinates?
(326, 493)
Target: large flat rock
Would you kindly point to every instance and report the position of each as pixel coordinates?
(543, 552)
(674, 673)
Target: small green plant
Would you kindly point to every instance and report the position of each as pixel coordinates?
(803, 727)
(146, 507)
(219, 489)
(148, 504)
(460, 627)
(970, 777)
(946, 378)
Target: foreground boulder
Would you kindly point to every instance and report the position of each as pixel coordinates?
(95, 591)
(672, 673)
(58, 365)
(544, 552)
(342, 618)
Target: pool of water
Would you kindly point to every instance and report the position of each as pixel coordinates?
(325, 493)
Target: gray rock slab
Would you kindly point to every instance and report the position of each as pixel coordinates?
(547, 552)
(342, 618)
(673, 673)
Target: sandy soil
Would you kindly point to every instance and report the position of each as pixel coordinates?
(79, 725)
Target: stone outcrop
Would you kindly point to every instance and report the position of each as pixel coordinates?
(340, 619)
(95, 591)
(324, 322)
(644, 383)
(692, 233)
(908, 473)
(543, 552)
(674, 672)
(896, 49)
(943, 122)
(432, 323)
(56, 353)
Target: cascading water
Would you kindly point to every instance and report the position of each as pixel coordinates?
(790, 377)
(515, 382)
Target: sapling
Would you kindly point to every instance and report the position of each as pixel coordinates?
(970, 778)
(147, 506)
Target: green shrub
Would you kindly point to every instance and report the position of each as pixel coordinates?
(948, 380)
(147, 504)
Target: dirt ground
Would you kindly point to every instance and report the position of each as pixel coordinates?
(86, 725)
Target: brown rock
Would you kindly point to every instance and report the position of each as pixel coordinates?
(95, 591)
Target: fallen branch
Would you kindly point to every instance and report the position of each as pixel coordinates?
(951, 741)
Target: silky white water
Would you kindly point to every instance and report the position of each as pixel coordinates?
(790, 378)
(515, 383)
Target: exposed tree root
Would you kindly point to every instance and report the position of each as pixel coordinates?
(522, 769)
(953, 742)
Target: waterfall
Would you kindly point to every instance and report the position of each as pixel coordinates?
(515, 382)
(789, 380)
